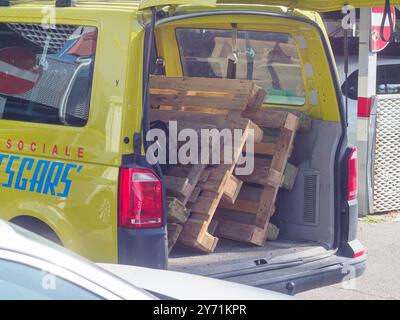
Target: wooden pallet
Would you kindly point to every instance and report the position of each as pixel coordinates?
(220, 184)
(269, 175)
(205, 95)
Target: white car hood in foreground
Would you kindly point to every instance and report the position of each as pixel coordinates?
(183, 286)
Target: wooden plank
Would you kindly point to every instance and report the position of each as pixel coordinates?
(305, 121)
(177, 212)
(232, 189)
(242, 232)
(218, 121)
(212, 102)
(204, 176)
(196, 126)
(263, 174)
(266, 117)
(274, 118)
(263, 148)
(258, 132)
(203, 92)
(257, 98)
(202, 84)
(278, 163)
(267, 206)
(211, 186)
(194, 177)
(245, 206)
(173, 230)
(174, 115)
(235, 122)
(191, 230)
(177, 186)
(195, 195)
(235, 230)
(204, 205)
(195, 236)
(197, 110)
(217, 173)
(289, 176)
(183, 188)
(207, 244)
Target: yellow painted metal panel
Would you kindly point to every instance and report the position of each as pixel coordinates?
(157, 3)
(317, 5)
(85, 158)
(77, 200)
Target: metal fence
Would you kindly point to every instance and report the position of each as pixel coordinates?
(384, 147)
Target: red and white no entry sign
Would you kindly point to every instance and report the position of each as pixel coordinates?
(18, 71)
(377, 43)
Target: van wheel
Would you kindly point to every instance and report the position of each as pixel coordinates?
(36, 226)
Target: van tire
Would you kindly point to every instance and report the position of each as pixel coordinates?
(36, 226)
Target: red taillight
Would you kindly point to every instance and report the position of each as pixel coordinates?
(358, 254)
(140, 199)
(352, 175)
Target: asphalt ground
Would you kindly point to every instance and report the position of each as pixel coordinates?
(380, 234)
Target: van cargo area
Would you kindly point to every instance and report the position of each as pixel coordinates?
(304, 216)
(231, 256)
(226, 76)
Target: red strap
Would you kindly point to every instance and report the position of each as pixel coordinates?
(364, 107)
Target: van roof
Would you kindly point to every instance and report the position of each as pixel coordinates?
(132, 5)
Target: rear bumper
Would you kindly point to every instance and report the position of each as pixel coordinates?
(143, 248)
(307, 276)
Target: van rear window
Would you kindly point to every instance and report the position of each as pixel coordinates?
(46, 73)
(269, 58)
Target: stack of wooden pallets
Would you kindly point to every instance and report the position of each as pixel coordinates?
(208, 200)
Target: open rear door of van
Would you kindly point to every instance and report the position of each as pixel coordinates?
(286, 273)
(159, 3)
(316, 5)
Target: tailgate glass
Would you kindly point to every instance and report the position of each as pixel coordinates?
(269, 58)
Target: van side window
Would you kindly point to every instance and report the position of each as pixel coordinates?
(269, 58)
(46, 73)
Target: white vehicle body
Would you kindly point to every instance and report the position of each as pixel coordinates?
(34, 268)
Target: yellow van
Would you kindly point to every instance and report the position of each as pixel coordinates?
(74, 110)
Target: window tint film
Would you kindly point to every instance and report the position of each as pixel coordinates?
(269, 58)
(46, 73)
